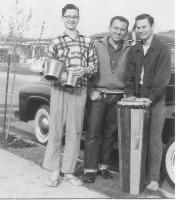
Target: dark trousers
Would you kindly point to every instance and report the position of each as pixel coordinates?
(101, 125)
(155, 139)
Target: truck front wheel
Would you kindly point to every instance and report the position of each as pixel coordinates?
(41, 124)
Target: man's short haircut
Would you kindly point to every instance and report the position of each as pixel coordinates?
(69, 7)
(145, 16)
(120, 18)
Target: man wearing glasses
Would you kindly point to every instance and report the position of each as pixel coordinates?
(67, 106)
(108, 88)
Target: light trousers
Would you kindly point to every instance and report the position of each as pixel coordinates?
(66, 109)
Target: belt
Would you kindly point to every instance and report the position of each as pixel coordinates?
(109, 91)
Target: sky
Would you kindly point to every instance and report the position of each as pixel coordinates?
(95, 15)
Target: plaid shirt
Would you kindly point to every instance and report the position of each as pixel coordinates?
(79, 51)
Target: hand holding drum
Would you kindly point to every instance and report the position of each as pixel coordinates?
(144, 100)
(79, 71)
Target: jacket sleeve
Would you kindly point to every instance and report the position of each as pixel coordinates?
(129, 78)
(162, 74)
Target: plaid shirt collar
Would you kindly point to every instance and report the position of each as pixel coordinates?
(65, 34)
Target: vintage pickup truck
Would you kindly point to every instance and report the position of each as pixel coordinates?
(34, 102)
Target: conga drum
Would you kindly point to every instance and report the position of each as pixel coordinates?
(133, 130)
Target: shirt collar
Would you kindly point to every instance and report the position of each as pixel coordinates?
(149, 41)
(65, 34)
(104, 40)
(154, 44)
(119, 46)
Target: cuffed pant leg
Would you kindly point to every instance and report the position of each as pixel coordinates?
(155, 140)
(93, 136)
(53, 150)
(74, 124)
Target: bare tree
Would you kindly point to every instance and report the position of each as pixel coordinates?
(18, 23)
(40, 38)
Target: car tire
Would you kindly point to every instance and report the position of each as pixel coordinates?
(41, 124)
(169, 161)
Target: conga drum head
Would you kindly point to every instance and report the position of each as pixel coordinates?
(133, 104)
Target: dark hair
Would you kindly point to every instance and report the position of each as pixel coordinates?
(134, 27)
(69, 7)
(120, 18)
(145, 16)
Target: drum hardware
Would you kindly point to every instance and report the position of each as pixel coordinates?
(137, 135)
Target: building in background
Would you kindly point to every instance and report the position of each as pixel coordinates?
(24, 52)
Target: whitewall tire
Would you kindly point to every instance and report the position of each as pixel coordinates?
(41, 124)
(169, 161)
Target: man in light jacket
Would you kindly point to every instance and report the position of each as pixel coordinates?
(107, 88)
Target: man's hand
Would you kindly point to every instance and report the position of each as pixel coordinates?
(79, 71)
(124, 97)
(144, 100)
(63, 77)
(132, 98)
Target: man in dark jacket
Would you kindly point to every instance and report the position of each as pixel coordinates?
(147, 76)
(107, 88)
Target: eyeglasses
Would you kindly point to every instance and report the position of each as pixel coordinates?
(71, 17)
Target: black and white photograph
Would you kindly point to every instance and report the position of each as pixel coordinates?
(87, 99)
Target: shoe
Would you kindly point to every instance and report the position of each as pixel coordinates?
(72, 180)
(105, 173)
(153, 186)
(52, 183)
(89, 177)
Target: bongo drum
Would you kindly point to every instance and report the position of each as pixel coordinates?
(53, 69)
(133, 129)
(71, 79)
